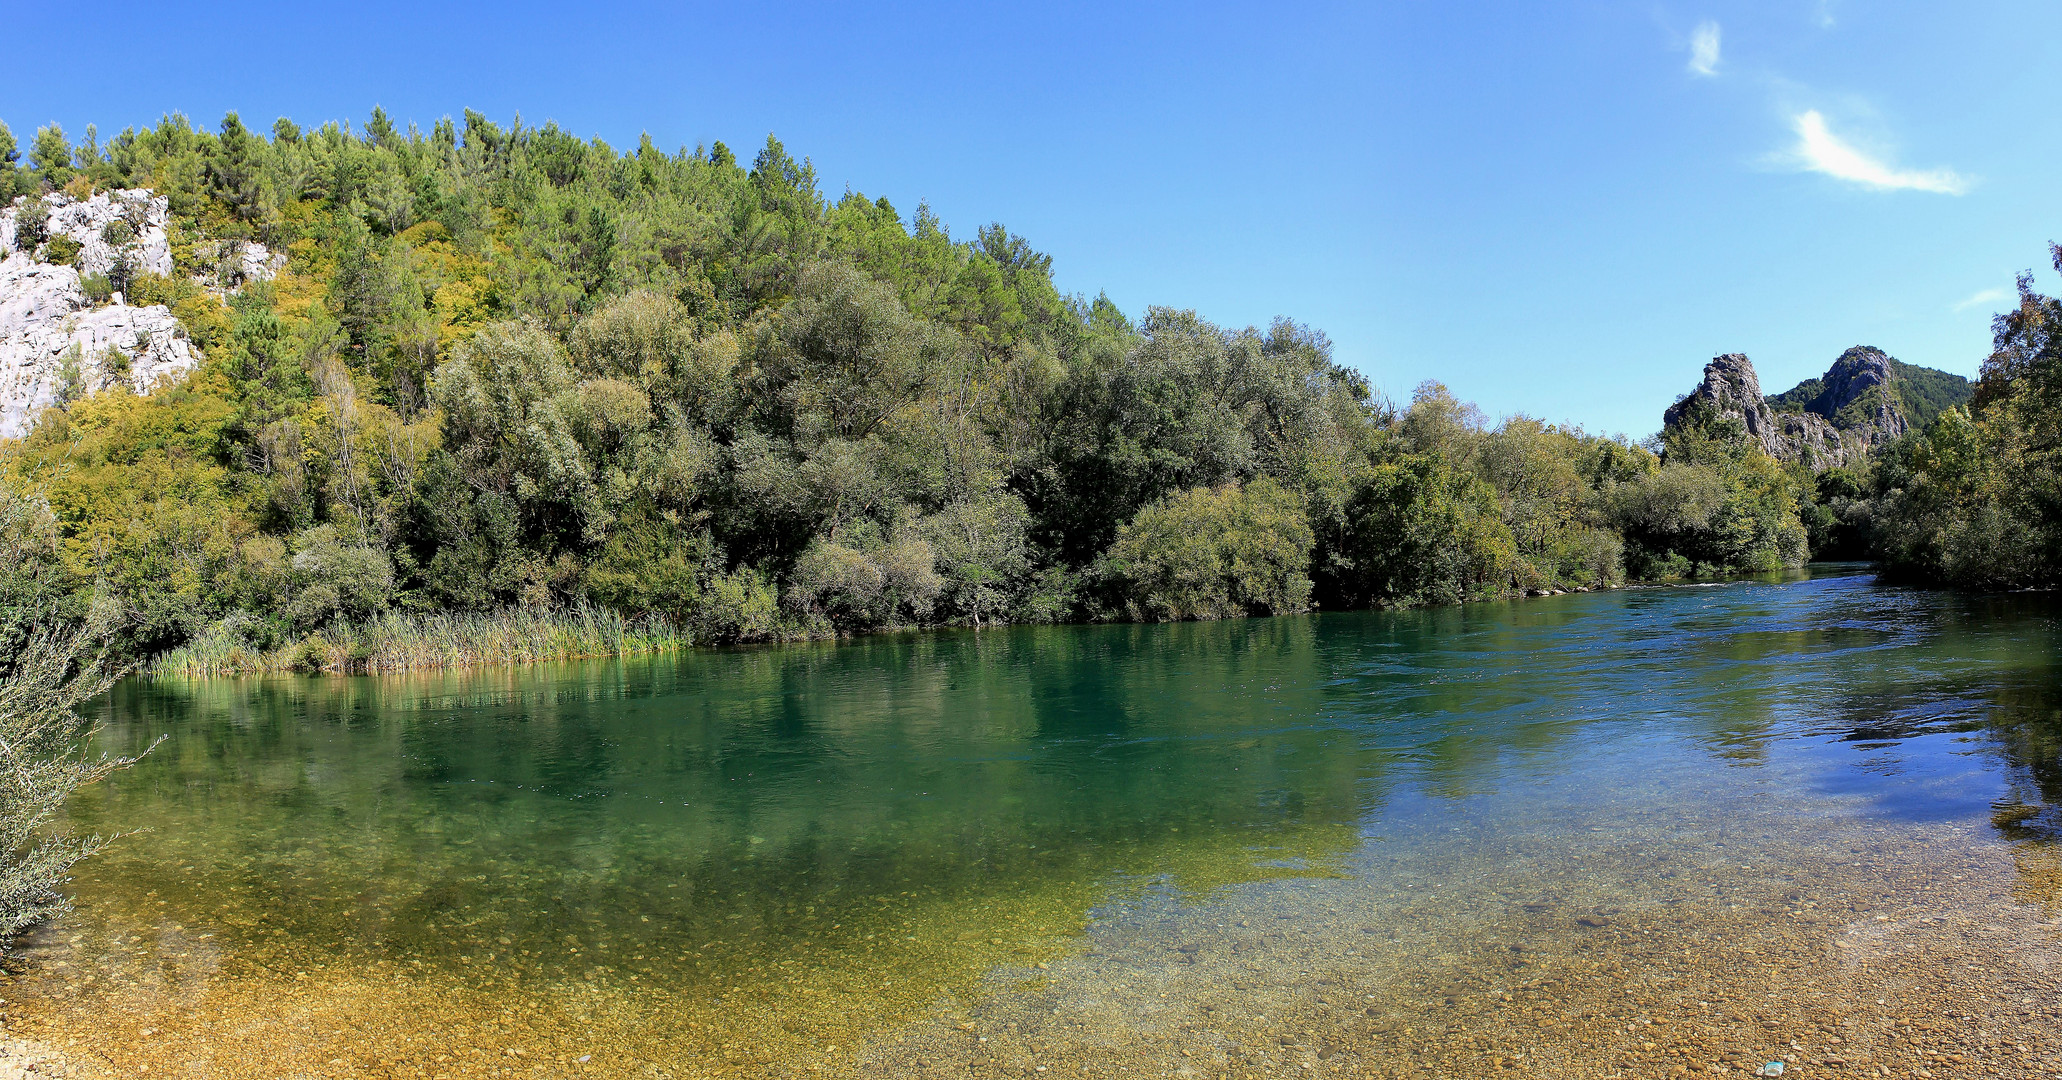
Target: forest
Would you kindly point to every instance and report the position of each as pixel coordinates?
(1975, 499)
(517, 393)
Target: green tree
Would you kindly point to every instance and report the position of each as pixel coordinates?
(1212, 553)
(233, 168)
(1417, 530)
(51, 157)
(12, 182)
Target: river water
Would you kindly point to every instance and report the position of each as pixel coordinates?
(1650, 831)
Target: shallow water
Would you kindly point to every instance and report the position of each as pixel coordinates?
(1254, 845)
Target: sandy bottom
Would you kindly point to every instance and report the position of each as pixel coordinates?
(1586, 942)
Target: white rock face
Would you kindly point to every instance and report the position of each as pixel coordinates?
(44, 314)
(233, 263)
(149, 249)
(47, 324)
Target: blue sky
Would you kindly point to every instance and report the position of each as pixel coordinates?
(1556, 209)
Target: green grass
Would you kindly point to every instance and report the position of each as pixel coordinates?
(397, 642)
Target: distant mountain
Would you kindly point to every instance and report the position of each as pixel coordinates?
(1867, 398)
(1852, 390)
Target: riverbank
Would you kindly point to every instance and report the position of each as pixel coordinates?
(396, 643)
(22, 1059)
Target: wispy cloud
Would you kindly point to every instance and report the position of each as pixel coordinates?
(1819, 150)
(1704, 49)
(1987, 296)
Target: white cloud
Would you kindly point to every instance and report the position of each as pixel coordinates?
(1819, 150)
(1704, 49)
(1987, 296)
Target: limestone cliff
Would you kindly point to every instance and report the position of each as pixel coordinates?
(1865, 400)
(55, 340)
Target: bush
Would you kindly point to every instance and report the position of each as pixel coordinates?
(875, 584)
(71, 376)
(1419, 531)
(335, 578)
(1213, 553)
(1717, 518)
(57, 665)
(115, 365)
(98, 289)
(31, 225)
(61, 250)
(649, 566)
(742, 605)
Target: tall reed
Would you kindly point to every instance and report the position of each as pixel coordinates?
(398, 642)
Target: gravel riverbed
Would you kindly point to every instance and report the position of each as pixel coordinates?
(1626, 948)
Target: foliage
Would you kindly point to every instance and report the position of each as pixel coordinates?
(400, 642)
(1926, 393)
(1718, 503)
(1921, 393)
(1976, 500)
(31, 225)
(57, 660)
(508, 370)
(1210, 553)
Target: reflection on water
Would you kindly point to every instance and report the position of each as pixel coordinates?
(733, 857)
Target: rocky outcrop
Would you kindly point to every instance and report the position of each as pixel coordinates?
(55, 341)
(54, 344)
(1856, 393)
(231, 264)
(110, 225)
(1835, 426)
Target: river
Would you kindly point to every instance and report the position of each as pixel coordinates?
(1645, 832)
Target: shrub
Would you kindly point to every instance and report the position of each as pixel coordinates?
(875, 584)
(1730, 516)
(31, 225)
(1212, 553)
(61, 250)
(335, 577)
(58, 665)
(121, 274)
(115, 364)
(71, 376)
(1419, 531)
(742, 605)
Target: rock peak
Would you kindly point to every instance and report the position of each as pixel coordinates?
(1836, 426)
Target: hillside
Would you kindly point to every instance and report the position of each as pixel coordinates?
(493, 391)
(1867, 399)
(1921, 394)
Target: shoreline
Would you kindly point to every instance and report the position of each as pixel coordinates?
(27, 1059)
(279, 662)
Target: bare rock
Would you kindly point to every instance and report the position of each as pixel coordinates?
(54, 341)
(110, 225)
(1825, 434)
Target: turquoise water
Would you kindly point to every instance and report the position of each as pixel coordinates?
(847, 834)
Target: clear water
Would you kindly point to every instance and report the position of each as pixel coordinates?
(725, 859)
